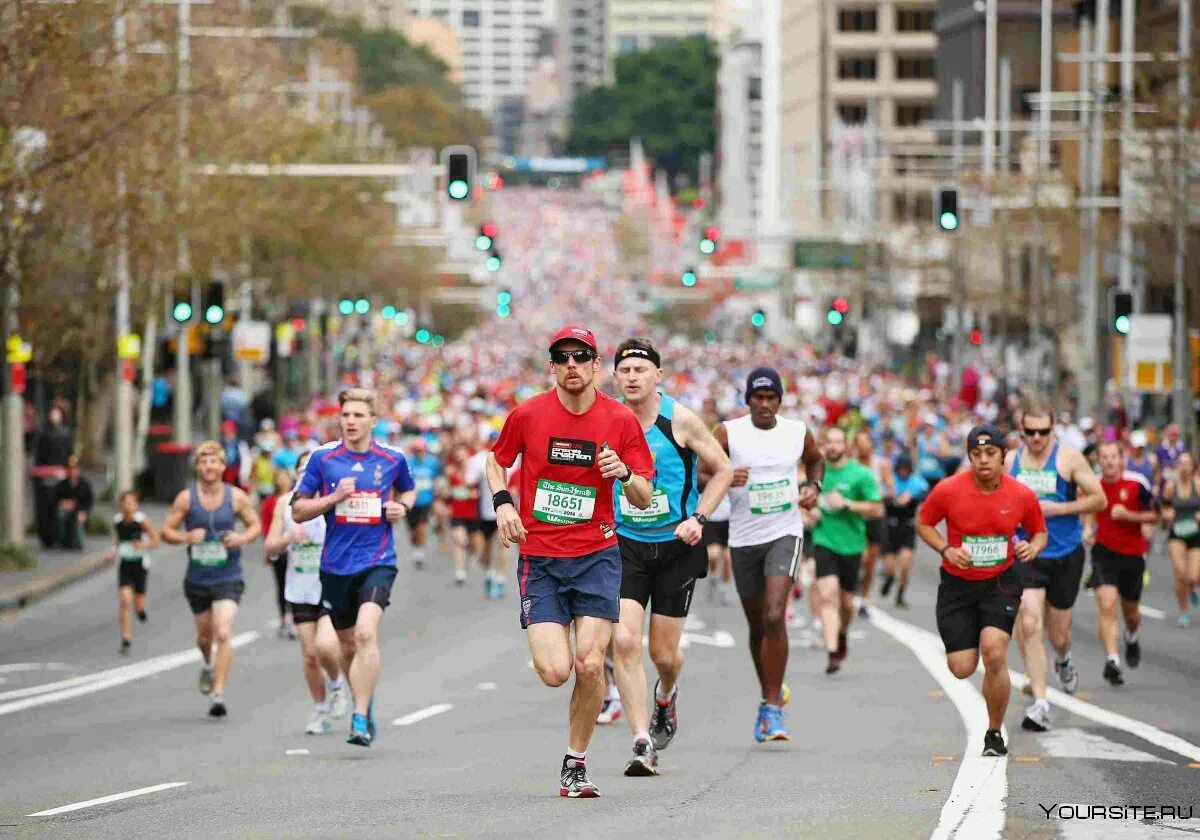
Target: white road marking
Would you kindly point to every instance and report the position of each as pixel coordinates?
(975, 809)
(297, 752)
(423, 714)
(79, 686)
(486, 686)
(18, 667)
(1079, 743)
(718, 639)
(104, 800)
(1151, 612)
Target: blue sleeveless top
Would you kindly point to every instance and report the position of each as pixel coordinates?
(210, 563)
(675, 488)
(1064, 532)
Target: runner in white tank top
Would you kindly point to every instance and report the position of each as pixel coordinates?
(765, 530)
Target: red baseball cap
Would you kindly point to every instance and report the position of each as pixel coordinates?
(575, 333)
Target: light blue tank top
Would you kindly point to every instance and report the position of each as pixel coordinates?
(210, 563)
(675, 488)
(1064, 532)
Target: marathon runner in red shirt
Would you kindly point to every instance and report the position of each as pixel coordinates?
(573, 441)
(980, 591)
(1119, 555)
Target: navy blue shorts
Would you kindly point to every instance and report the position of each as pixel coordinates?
(557, 589)
(342, 595)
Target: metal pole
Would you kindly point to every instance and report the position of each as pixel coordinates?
(1045, 83)
(956, 133)
(183, 266)
(1005, 113)
(956, 286)
(14, 424)
(989, 90)
(1182, 392)
(1125, 271)
(1087, 382)
(1096, 164)
(123, 426)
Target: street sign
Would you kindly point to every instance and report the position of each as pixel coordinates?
(1148, 353)
(756, 284)
(824, 254)
(129, 346)
(252, 341)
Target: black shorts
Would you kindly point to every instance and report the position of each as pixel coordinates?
(418, 515)
(845, 566)
(487, 527)
(876, 531)
(1124, 571)
(965, 607)
(1190, 543)
(715, 533)
(661, 574)
(901, 533)
(342, 595)
(1059, 576)
(200, 597)
(132, 573)
(304, 613)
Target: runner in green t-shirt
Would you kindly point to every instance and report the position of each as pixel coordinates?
(850, 495)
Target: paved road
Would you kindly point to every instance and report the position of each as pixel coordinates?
(878, 750)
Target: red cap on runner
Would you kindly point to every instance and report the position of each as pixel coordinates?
(580, 334)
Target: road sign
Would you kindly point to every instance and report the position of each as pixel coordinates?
(756, 284)
(1148, 353)
(823, 254)
(252, 341)
(129, 346)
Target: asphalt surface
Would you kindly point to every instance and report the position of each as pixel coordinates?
(876, 749)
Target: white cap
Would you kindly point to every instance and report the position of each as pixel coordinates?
(1087, 424)
(1138, 439)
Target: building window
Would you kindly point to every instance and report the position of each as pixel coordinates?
(857, 20)
(471, 18)
(627, 44)
(852, 113)
(914, 67)
(914, 20)
(754, 89)
(857, 67)
(911, 114)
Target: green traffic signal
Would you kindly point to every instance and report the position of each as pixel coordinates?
(362, 306)
(389, 312)
(483, 242)
(423, 335)
(346, 306)
(182, 311)
(493, 262)
(707, 246)
(1122, 324)
(214, 314)
(758, 319)
(689, 278)
(458, 189)
(401, 318)
(948, 221)
(504, 298)
(834, 317)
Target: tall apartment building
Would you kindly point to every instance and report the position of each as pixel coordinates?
(739, 140)
(640, 24)
(582, 44)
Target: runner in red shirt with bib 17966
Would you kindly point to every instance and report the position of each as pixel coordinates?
(573, 441)
(980, 591)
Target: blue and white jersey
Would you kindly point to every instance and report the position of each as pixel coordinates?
(675, 491)
(357, 535)
(425, 470)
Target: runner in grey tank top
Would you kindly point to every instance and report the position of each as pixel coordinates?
(1183, 534)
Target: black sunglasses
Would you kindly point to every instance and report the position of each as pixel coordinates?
(560, 357)
(1037, 432)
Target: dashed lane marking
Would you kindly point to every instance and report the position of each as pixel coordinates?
(297, 752)
(486, 686)
(1079, 743)
(104, 800)
(423, 714)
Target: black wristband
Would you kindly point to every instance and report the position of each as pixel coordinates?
(945, 548)
(502, 498)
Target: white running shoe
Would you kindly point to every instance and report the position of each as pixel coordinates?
(318, 723)
(1037, 717)
(339, 702)
(1068, 677)
(609, 712)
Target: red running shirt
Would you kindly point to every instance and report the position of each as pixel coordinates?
(566, 506)
(1133, 491)
(464, 498)
(983, 523)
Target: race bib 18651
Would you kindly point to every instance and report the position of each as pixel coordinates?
(563, 504)
(659, 512)
(986, 551)
(362, 507)
(772, 496)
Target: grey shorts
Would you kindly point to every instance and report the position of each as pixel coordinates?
(753, 564)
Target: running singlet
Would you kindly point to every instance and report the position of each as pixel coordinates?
(767, 507)
(127, 534)
(1185, 526)
(843, 531)
(1064, 532)
(464, 496)
(358, 536)
(1132, 490)
(425, 471)
(566, 507)
(982, 523)
(210, 562)
(675, 489)
(302, 583)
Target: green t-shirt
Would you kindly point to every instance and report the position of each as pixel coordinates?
(842, 531)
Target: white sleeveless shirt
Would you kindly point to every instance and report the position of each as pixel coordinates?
(302, 583)
(767, 507)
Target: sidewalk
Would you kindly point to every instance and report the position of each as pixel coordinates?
(58, 567)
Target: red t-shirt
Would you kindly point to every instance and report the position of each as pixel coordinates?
(984, 523)
(464, 497)
(1133, 491)
(266, 512)
(566, 506)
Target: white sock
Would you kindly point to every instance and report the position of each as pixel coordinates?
(1131, 638)
(665, 698)
(1115, 659)
(641, 736)
(1066, 660)
(322, 707)
(578, 756)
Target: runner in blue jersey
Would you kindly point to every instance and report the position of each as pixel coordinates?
(661, 554)
(426, 469)
(1066, 487)
(362, 488)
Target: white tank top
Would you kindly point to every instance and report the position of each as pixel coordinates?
(302, 584)
(767, 507)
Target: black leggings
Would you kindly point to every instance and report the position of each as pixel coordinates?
(279, 564)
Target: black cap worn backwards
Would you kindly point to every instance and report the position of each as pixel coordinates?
(763, 379)
(985, 434)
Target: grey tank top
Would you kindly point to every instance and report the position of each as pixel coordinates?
(210, 563)
(1186, 507)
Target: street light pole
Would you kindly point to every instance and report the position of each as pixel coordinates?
(123, 425)
(183, 264)
(1182, 391)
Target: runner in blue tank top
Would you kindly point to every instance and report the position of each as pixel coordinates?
(362, 488)
(1066, 487)
(661, 555)
(204, 518)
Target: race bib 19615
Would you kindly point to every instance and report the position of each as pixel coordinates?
(1043, 483)
(986, 551)
(362, 507)
(305, 558)
(772, 496)
(563, 504)
(659, 512)
(210, 553)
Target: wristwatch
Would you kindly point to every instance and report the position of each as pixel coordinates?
(700, 517)
(812, 482)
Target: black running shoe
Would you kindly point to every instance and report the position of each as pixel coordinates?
(1133, 654)
(842, 648)
(124, 647)
(142, 617)
(573, 781)
(888, 581)
(993, 743)
(644, 761)
(1112, 673)
(665, 721)
(901, 603)
(217, 709)
(834, 665)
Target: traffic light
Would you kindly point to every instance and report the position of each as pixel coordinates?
(494, 261)
(459, 163)
(708, 242)
(947, 209)
(362, 306)
(213, 305)
(486, 237)
(423, 335)
(976, 337)
(837, 311)
(181, 308)
(758, 319)
(1122, 310)
(689, 277)
(503, 303)
(346, 306)
(388, 312)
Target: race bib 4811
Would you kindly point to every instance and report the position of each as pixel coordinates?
(363, 507)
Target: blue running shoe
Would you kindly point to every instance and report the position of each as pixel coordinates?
(774, 729)
(1194, 597)
(760, 725)
(371, 730)
(360, 733)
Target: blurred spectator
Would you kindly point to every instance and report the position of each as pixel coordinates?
(73, 499)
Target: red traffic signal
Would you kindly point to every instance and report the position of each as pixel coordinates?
(977, 337)
(488, 229)
(713, 233)
(840, 304)
(298, 325)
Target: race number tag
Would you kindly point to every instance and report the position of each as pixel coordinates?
(128, 553)
(305, 558)
(563, 504)
(1186, 527)
(210, 553)
(772, 496)
(362, 507)
(659, 512)
(986, 551)
(1044, 483)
